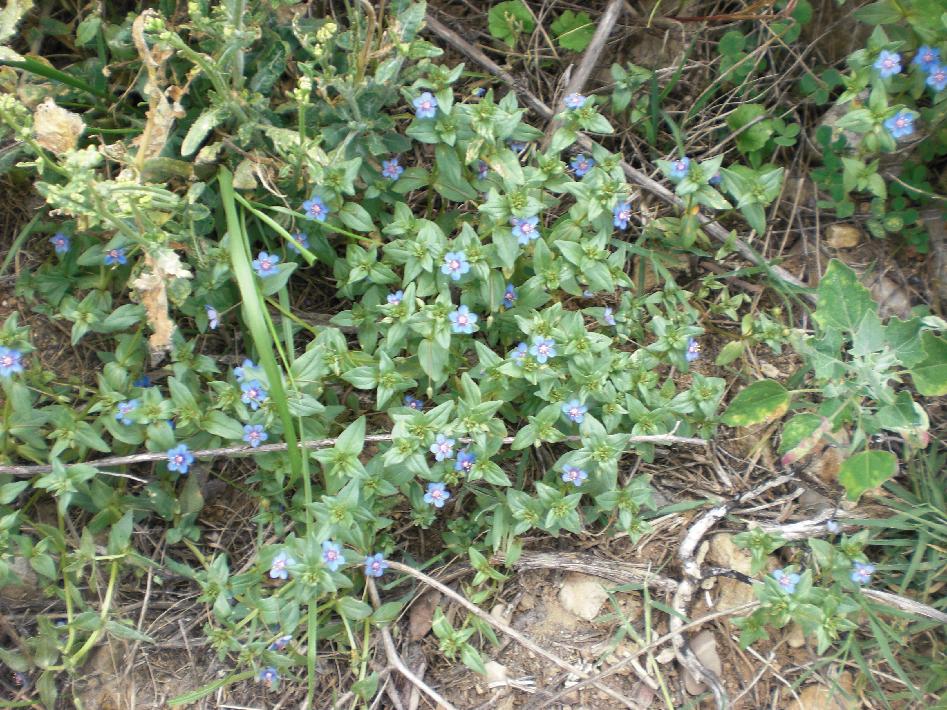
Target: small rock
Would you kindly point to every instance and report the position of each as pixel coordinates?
(582, 595)
(843, 236)
(770, 371)
(527, 602)
(820, 697)
(795, 638)
(704, 646)
(666, 656)
(724, 553)
(496, 672)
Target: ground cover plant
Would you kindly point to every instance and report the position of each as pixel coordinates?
(324, 327)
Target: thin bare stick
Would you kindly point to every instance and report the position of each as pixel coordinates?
(394, 659)
(241, 451)
(508, 630)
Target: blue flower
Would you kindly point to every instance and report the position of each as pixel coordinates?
(480, 91)
(279, 568)
(621, 214)
(280, 643)
(213, 317)
(608, 316)
(465, 461)
(519, 353)
(395, 298)
(888, 63)
(124, 409)
(265, 264)
(425, 106)
(516, 146)
(861, 574)
(542, 348)
(509, 296)
(254, 434)
(524, 229)
(455, 264)
(926, 57)
(573, 475)
(253, 394)
(11, 361)
(268, 676)
(679, 168)
(832, 526)
(413, 403)
(575, 101)
(693, 350)
(901, 124)
(786, 581)
(462, 320)
(390, 169)
(575, 410)
(442, 448)
(316, 209)
(332, 555)
(60, 243)
(241, 372)
(375, 565)
(715, 180)
(937, 77)
(143, 381)
(180, 459)
(300, 237)
(115, 256)
(482, 170)
(581, 164)
(437, 494)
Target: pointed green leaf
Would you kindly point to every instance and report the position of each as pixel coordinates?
(866, 470)
(760, 402)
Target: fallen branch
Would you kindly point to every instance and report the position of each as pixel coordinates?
(246, 450)
(613, 570)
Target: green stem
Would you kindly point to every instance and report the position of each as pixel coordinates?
(77, 657)
(196, 695)
(35, 67)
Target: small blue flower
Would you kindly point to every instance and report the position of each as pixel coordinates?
(413, 403)
(581, 164)
(394, 299)
(621, 214)
(391, 169)
(442, 448)
(888, 63)
(693, 350)
(254, 394)
(516, 146)
(60, 243)
(332, 555)
(213, 317)
(575, 410)
(926, 57)
(180, 459)
(575, 101)
(715, 180)
(832, 526)
(524, 229)
(300, 237)
(268, 676)
(480, 91)
(679, 168)
(281, 643)
(901, 124)
(437, 494)
(279, 568)
(316, 209)
(465, 461)
(143, 381)
(861, 574)
(115, 256)
(608, 316)
(937, 77)
(241, 372)
(519, 353)
(254, 434)
(786, 581)
(509, 296)
(11, 361)
(462, 320)
(265, 264)
(375, 565)
(482, 170)
(425, 106)
(455, 264)
(542, 348)
(573, 475)
(124, 409)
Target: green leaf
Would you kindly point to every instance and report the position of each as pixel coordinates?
(730, 352)
(930, 374)
(10, 16)
(219, 424)
(507, 20)
(87, 30)
(884, 12)
(843, 300)
(449, 181)
(353, 609)
(866, 470)
(352, 440)
(356, 217)
(760, 402)
(573, 30)
(199, 130)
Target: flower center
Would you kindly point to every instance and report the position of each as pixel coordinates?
(266, 264)
(454, 264)
(331, 555)
(461, 320)
(7, 360)
(543, 349)
(445, 448)
(436, 494)
(179, 459)
(574, 412)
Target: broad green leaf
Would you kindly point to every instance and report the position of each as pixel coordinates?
(760, 402)
(354, 609)
(866, 470)
(356, 217)
(930, 374)
(843, 300)
(730, 352)
(219, 424)
(573, 30)
(199, 130)
(904, 337)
